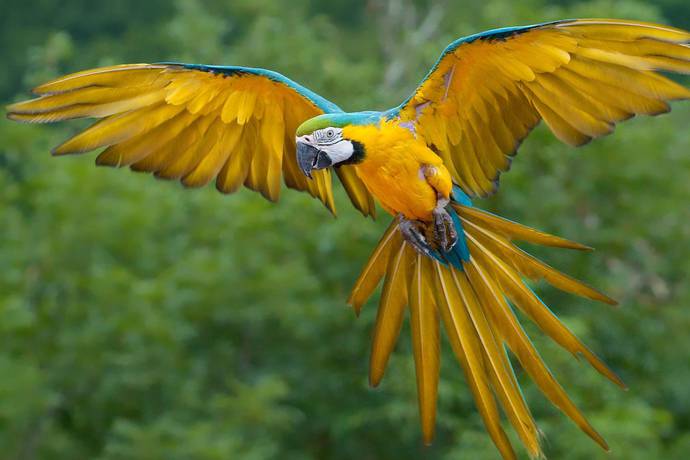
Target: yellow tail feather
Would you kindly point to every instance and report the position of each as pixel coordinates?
(391, 312)
(473, 305)
(424, 322)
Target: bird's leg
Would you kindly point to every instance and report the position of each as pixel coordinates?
(413, 232)
(444, 228)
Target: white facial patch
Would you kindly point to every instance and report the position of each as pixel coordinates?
(330, 140)
(339, 152)
(327, 136)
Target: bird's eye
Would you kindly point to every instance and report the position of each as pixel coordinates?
(330, 134)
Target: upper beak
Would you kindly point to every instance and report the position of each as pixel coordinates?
(310, 158)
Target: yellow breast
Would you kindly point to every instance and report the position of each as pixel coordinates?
(392, 169)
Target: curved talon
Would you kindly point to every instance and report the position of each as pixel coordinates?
(426, 238)
(413, 232)
(444, 227)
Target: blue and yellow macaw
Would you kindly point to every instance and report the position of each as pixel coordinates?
(423, 161)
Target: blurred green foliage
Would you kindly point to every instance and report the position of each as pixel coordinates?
(141, 321)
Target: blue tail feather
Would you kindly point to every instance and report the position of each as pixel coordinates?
(460, 197)
(460, 252)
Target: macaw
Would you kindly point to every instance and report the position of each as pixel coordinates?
(423, 161)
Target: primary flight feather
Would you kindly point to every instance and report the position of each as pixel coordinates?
(447, 262)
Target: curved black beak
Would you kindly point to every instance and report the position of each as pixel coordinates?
(310, 158)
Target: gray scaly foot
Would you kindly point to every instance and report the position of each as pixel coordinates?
(444, 228)
(413, 232)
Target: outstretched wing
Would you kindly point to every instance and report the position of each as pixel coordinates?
(193, 123)
(488, 91)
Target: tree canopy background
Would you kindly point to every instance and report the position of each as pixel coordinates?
(139, 320)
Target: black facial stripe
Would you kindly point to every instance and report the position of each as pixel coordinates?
(357, 154)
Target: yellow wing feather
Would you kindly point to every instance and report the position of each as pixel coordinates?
(193, 124)
(581, 77)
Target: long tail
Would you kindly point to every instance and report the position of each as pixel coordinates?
(473, 300)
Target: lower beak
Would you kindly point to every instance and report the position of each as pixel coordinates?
(310, 158)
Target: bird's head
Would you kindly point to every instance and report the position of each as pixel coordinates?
(321, 142)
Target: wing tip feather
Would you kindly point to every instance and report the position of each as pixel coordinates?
(60, 150)
(26, 119)
(13, 116)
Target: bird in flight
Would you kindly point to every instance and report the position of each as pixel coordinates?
(446, 261)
